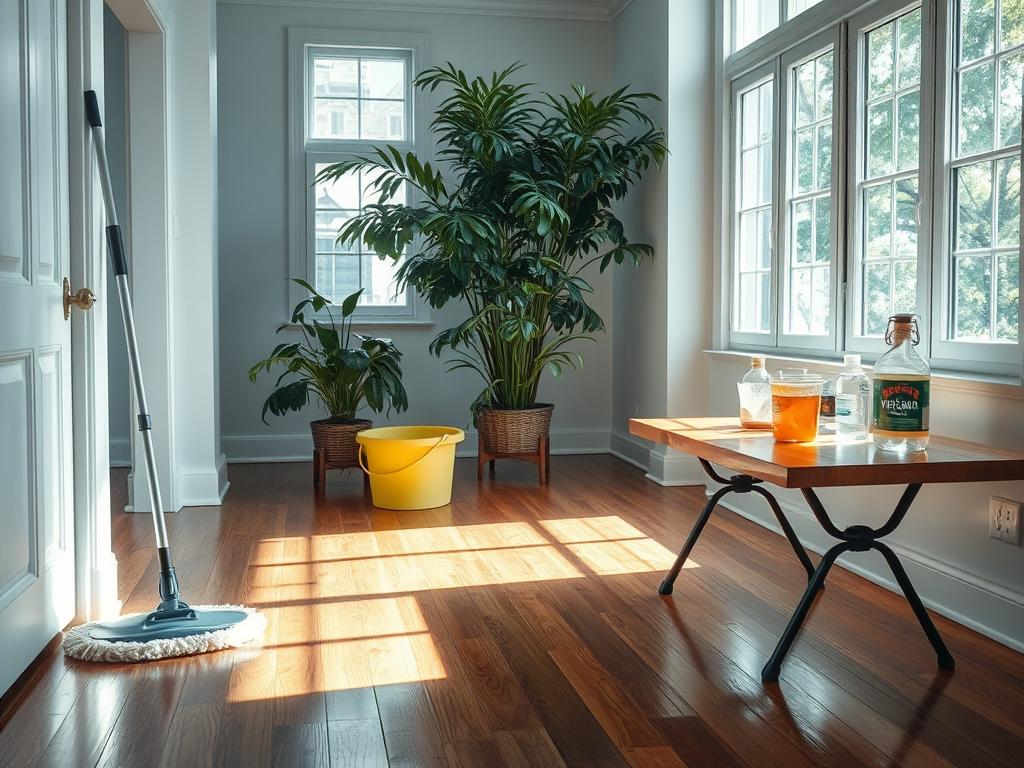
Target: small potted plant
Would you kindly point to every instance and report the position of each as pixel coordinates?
(523, 206)
(342, 375)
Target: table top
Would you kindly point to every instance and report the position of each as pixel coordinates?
(825, 463)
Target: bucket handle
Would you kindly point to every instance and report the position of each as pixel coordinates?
(396, 471)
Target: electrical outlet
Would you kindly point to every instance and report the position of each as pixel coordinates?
(1004, 520)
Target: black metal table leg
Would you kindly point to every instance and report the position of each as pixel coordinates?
(856, 538)
(734, 484)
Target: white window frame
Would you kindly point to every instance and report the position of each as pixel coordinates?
(1003, 361)
(878, 15)
(993, 358)
(809, 50)
(747, 82)
(306, 152)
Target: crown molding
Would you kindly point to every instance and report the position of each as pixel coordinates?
(583, 10)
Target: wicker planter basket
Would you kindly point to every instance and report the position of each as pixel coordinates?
(337, 439)
(514, 431)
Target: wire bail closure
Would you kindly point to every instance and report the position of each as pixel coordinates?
(907, 320)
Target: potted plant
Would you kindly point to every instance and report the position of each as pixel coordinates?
(342, 375)
(521, 207)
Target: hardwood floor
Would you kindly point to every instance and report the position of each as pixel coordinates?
(520, 626)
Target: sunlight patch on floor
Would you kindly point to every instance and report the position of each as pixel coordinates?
(609, 545)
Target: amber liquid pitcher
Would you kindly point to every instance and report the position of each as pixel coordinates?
(796, 405)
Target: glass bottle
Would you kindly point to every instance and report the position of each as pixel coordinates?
(755, 390)
(853, 390)
(901, 390)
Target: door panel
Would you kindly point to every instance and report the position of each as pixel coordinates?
(37, 587)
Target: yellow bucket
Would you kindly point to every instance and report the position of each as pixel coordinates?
(412, 467)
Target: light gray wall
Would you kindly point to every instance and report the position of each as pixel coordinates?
(663, 309)
(253, 215)
(115, 42)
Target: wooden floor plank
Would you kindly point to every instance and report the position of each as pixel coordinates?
(518, 626)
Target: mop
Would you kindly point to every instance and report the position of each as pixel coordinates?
(175, 628)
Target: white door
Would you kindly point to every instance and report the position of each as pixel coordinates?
(37, 582)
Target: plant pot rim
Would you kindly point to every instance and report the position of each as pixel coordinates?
(340, 421)
(534, 407)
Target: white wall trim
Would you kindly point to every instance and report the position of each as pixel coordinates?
(583, 10)
(669, 467)
(120, 452)
(256, 449)
(987, 607)
(631, 449)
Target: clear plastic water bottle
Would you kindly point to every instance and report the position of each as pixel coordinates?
(755, 389)
(853, 388)
(901, 390)
(827, 415)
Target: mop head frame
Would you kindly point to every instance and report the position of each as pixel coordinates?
(80, 644)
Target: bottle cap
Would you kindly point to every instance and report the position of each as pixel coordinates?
(851, 359)
(757, 361)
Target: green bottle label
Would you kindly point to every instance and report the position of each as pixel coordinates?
(901, 404)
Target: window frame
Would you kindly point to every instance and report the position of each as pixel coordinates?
(859, 26)
(809, 50)
(1003, 360)
(992, 358)
(768, 72)
(305, 151)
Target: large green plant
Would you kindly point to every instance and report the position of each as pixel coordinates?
(326, 363)
(522, 206)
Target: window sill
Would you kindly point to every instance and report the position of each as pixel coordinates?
(375, 322)
(952, 381)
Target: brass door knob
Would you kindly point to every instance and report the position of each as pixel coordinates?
(83, 298)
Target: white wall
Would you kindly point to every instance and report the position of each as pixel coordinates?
(253, 216)
(115, 42)
(663, 309)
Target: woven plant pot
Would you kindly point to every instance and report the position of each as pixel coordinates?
(337, 437)
(514, 431)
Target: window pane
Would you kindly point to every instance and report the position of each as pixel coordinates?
(823, 68)
(764, 241)
(974, 206)
(804, 181)
(327, 225)
(802, 243)
(1008, 201)
(820, 281)
(977, 109)
(382, 120)
(876, 301)
(978, 29)
(800, 297)
(878, 220)
(973, 297)
(906, 219)
(881, 61)
(806, 94)
(335, 119)
(749, 240)
(340, 193)
(824, 171)
(880, 139)
(794, 7)
(1011, 78)
(1011, 24)
(904, 287)
(823, 229)
(754, 18)
(1007, 297)
(909, 49)
(382, 79)
(908, 128)
(335, 77)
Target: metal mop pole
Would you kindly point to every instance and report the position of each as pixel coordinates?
(168, 581)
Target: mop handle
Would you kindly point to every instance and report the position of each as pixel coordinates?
(115, 244)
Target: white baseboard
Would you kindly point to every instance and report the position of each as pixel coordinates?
(256, 449)
(204, 489)
(989, 608)
(631, 449)
(120, 452)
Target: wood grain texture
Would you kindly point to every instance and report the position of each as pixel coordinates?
(824, 463)
(519, 626)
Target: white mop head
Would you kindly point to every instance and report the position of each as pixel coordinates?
(79, 645)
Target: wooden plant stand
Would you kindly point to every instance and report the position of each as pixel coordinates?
(320, 467)
(542, 458)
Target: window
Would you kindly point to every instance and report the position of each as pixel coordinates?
(895, 137)
(349, 93)
(754, 210)
(985, 264)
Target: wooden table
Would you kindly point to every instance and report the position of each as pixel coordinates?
(823, 464)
